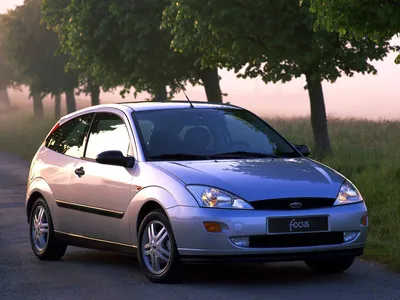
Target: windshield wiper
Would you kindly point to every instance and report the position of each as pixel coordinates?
(240, 154)
(178, 156)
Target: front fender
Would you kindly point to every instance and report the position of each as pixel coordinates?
(151, 193)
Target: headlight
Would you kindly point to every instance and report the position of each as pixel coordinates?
(348, 194)
(211, 197)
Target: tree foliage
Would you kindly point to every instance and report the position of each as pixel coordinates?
(273, 39)
(376, 19)
(120, 43)
(31, 50)
(268, 38)
(8, 78)
(7, 75)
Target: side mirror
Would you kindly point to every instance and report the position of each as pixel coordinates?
(115, 158)
(303, 149)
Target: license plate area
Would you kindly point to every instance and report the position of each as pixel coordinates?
(299, 224)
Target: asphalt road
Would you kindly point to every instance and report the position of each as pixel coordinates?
(89, 274)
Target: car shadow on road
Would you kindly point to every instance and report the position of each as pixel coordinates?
(251, 274)
(292, 273)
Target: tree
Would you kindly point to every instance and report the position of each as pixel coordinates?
(7, 75)
(94, 89)
(273, 39)
(350, 16)
(121, 44)
(31, 50)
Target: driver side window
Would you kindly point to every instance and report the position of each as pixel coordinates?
(108, 132)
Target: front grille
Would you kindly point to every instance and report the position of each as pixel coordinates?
(296, 240)
(284, 204)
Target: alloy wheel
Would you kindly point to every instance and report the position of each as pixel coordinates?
(40, 229)
(156, 247)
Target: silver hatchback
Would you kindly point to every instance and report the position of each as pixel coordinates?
(181, 183)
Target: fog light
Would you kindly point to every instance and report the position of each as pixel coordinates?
(212, 226)
(364, 221)
(348, 236)
(242, 241)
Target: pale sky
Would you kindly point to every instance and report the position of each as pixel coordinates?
(366, 96)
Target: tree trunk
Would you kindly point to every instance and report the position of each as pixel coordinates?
(38, 110)
(319, 122)
(94, 92)
(70, 99)
(160, 94)
(210, 80)
(4, 98)
(57, 105)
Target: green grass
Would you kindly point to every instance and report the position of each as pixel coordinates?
(366, 152)
(21, 133)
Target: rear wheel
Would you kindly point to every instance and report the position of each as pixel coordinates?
(334, 265)
(157, 251)
(41, 232)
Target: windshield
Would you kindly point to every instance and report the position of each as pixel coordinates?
(210, 133)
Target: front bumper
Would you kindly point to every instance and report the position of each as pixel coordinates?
(195, 243)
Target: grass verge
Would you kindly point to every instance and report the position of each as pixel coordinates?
(364, 151)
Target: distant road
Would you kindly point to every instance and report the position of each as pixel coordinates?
(89, 274)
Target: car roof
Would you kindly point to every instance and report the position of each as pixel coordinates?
(174, 104)
(128, 107)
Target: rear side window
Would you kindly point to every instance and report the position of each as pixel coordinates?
(107, 133)
(69, 138)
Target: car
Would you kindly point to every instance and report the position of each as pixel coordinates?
(186, 182)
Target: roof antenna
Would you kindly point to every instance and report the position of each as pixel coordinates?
(191, 104)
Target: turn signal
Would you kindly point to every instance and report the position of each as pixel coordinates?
(212, 226)
(364, 221)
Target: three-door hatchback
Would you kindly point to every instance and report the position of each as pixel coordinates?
(183, 182)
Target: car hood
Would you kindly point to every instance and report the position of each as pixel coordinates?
(258, 179)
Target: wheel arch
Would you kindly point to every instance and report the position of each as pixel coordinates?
(146, 208)
(39, 188)
(145, 201)
(36, 195)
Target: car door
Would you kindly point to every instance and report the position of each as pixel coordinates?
(62, 148)
(102, 192)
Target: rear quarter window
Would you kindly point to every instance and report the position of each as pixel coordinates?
(69, 138)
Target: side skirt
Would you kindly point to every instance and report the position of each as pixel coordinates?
(93, 243)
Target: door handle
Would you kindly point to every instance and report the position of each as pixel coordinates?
(80, 172)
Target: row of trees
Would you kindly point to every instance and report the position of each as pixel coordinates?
(28, 56)
(159, 46)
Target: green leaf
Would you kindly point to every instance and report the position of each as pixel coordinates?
(397, 60)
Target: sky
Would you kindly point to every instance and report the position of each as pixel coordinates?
(362, 96)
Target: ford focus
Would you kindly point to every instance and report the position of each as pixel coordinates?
(189, 182)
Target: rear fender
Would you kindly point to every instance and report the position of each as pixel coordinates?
(40, 186)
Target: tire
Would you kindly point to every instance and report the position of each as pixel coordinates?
(44, 245)
(164, 271)
(331, 266)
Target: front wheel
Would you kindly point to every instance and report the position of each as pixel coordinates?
(334, 265)
(157, 252)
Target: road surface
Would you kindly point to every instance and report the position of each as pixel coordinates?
(90, 274)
